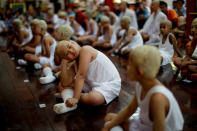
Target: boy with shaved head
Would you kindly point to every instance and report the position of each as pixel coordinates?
(153, 108)
(48, 48)
(151, 29)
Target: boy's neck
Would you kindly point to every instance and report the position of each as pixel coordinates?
(165, 35)
(147, 84)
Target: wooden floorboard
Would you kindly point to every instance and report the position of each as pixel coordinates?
(20, 110)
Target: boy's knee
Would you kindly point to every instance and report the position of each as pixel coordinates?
(92, 99)
(85, 98)
(26, 56)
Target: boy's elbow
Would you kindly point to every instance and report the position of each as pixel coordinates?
(81, 76)
(47, 55)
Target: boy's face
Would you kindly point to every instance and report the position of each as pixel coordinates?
(123, 24)
(163, 8)
(39, 30)
(71, 18)
(106, 12)
(154, 7)
(164, 29)
(179, 4)
(194, 30)
(105, 24)
(33, 27)
(58, 36)
(122, 7)
(69, 51)
(15, 27)
(182, 27)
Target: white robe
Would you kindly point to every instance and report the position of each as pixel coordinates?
(152, 26)
(132, 15)
(166, 50)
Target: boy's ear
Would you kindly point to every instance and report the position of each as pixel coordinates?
(139, 73)
(42, 30)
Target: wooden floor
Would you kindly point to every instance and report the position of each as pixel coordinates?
(20, 108)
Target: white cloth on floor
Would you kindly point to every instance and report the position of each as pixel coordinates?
(103, 77)
(174, 119)
(37, 66)
(22, 62)
(135, 42)
(48, 76)
(166, 50)
(61, 107)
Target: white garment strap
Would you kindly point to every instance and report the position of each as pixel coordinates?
(194, 55)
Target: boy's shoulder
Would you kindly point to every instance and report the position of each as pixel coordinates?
(85, 48)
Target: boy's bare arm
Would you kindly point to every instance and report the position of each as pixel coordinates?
(129, 38)
(84, 60)
(117, 44)
(158, 107)
(47, 43)
(123, 115)
(57, 69)
(174, 43)
(91, 28)
(110, 32)
(102, 42)
(36, 41)
(76, 26)
(98, 32)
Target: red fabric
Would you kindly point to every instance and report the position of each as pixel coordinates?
(190, 4)
(172, 15)
(80, 17)
(110, 4)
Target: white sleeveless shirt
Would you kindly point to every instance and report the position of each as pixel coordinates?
(95, 27)
(105, 36)
(52, 47)
(80, 30)
(166, 50)
(135, 42)
(26, 40)
(174, 119)
(103, 76)
(194, 55)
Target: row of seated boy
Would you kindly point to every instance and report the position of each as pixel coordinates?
(80, 67)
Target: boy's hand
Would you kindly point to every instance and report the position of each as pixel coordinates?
(59, 87)
(105, 129)
(184, 63)
(64, 61)
(71, 102)
(57, 60)
(39, 55)
(109, 52)
(110, 116)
